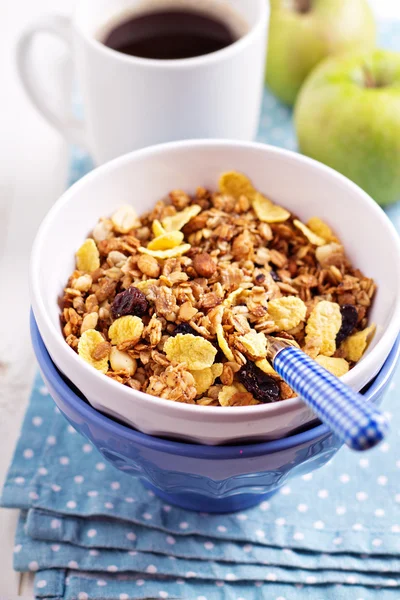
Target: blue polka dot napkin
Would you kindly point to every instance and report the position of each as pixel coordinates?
(91, 532)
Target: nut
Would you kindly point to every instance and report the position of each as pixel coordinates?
(204, 265)
(148, 265)
(121, 361)
(89, 322)
(125, 219)
(116, 258)
(102, 230)
(83, 283)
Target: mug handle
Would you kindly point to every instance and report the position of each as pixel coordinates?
(60, 26)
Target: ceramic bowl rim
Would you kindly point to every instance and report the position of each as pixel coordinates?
(90, 414)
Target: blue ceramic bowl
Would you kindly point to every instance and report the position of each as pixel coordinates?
(196, 477)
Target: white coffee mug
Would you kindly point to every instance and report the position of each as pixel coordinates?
(131, 102)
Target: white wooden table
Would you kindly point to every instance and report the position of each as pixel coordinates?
(33, 171)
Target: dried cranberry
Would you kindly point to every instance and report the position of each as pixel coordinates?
(184, 328)
(263, 387)
(274, 275)
(130, 302)
(349, 321)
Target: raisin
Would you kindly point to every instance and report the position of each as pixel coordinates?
(130, 302)
(260, 278)
(184, 328)
(263, 387)
(274, 275)
(349, 321)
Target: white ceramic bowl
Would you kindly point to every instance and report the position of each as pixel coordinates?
(304, 186)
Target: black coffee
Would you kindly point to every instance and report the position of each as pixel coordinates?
(170, 34)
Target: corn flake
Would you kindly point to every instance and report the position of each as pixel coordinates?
(355, 345)
(265, 366)
(196, 352)
(164, 254)
(226, 394)
(220, 333)
(230, 300)
(255, 344)
(269, 212)
(88, 342)
(323, 324)
(321, 229)
(157, 228)
(217, 369)
(205, 378)
(236, 184)
(223, 344)
(310, 235)
(336, 366)
(287, 312)
(125, 329)
(87, 257)
(235, 395)
(166, 241)
(176, 222)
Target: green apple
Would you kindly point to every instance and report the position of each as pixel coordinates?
(347, 116)
(303, 32)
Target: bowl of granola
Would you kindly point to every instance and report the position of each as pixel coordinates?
(156, 278)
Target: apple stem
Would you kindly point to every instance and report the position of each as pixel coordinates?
(303, 6)
(368, 78)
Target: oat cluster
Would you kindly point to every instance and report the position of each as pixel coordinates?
(177, 303)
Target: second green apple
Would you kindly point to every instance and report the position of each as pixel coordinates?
(303, 32)
(347, 116)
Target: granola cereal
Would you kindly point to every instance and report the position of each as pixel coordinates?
(177, 302)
